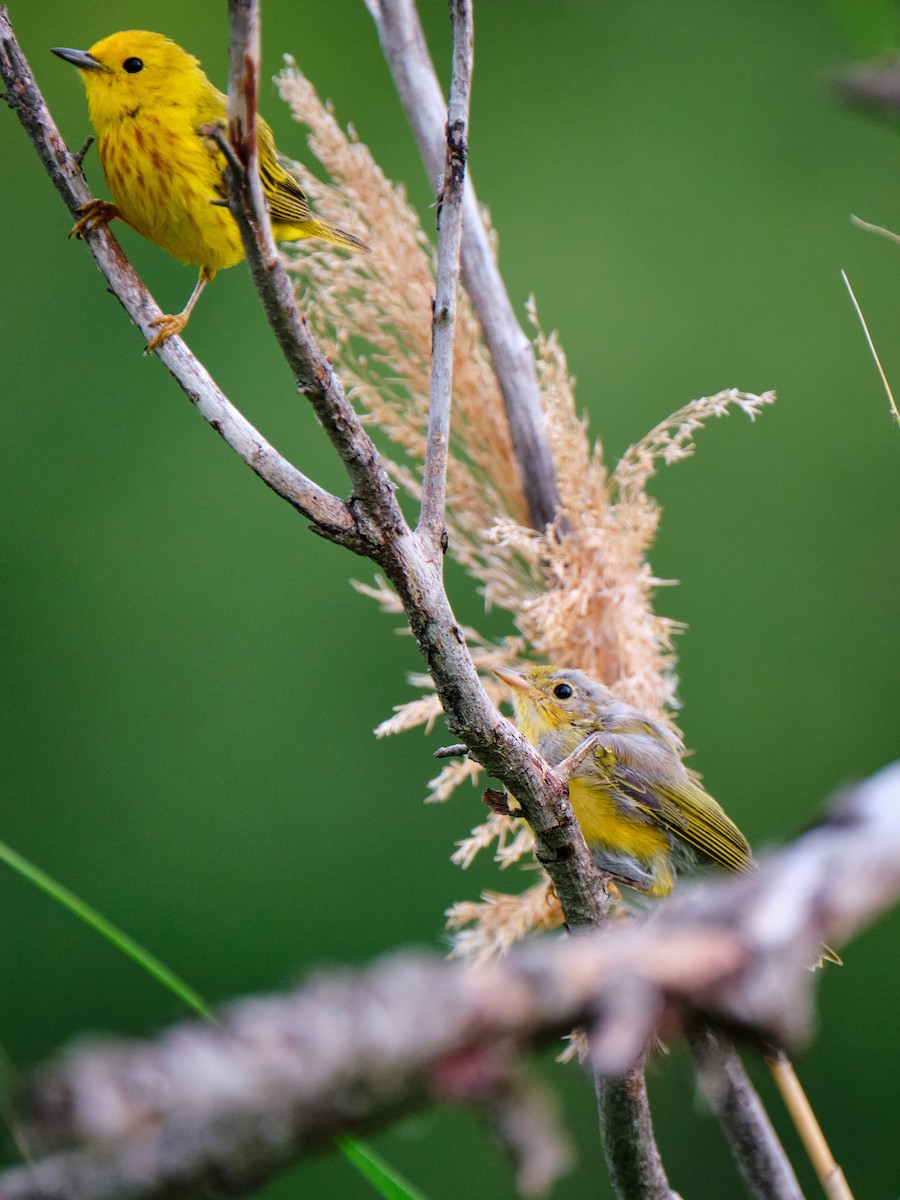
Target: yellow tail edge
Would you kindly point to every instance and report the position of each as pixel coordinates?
(323, 230)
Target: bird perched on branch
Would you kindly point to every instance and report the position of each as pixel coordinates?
(644, 815)
(149, 102)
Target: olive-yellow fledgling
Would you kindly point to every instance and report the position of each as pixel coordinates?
(644, 815)
(148, 101)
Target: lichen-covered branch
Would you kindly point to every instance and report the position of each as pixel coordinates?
(205, 1105)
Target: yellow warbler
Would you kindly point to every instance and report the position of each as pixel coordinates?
(643, 814)
(148, 101)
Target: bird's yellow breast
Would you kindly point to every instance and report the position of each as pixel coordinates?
(164, 176)
(604, 824)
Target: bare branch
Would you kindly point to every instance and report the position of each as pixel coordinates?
(457, 750)
(450, 212)
(626, 1131)
(404, 47)
(330, 515)
(205, 1104)
(415, 572)
(754, 1143)
(874, 84)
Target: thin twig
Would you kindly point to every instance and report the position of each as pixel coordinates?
(868, 227)
(565, 768)
(406, 52)
(311, 368)
(443, 324)
(457, 750)
(79, 157)
(754, 1143)
(636, 1169)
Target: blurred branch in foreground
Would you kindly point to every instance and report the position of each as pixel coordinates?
(872, 85)
(227, 1105)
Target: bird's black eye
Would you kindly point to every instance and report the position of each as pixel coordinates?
(132, 65)
(562, 691)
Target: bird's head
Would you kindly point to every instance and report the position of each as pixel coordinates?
(550, 698)
(134, 70)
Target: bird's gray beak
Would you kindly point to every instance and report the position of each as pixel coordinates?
(79, 58)
(512, 679)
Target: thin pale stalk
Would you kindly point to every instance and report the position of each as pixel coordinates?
(443, 324)
(831, 1177)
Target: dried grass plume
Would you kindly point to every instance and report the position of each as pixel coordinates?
(579, 593)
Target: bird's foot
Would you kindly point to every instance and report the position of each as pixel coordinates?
(169, 326)
(94, 213)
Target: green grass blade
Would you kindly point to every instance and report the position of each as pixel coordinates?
(106, 929)
(383, 1178)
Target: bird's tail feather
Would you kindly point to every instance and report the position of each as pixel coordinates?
(330, 233)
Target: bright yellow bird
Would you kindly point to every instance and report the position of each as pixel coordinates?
(644, 815)
(148, 101)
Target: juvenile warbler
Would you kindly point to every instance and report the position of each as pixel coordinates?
(148, 101)
(644, 815)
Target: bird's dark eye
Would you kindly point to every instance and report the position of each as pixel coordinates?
(562, 691)
(132, 65)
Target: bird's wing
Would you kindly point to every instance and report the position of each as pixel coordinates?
(287, 200)
(649, 776)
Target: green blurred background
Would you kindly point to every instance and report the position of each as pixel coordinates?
(190, 684)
